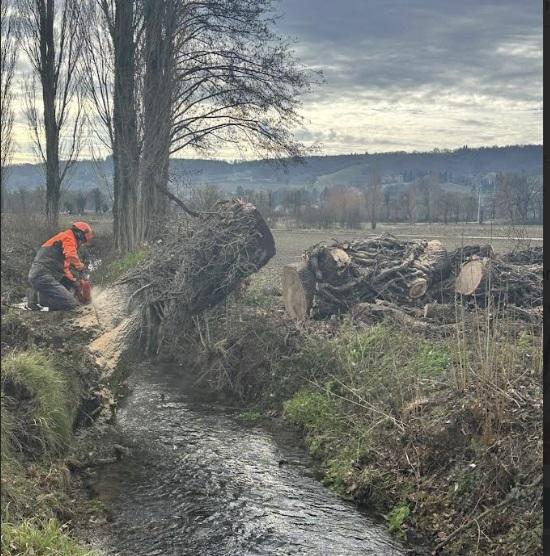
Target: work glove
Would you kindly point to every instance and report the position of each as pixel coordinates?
(68, 283)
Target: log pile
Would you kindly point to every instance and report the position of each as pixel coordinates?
(333, 278)
(532, 255)
(196, 265)
(486, 278)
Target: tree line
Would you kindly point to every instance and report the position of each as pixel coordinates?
(513, 198)
(147, 79)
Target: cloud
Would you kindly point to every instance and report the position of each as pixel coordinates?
(476, 67)
(412, 74)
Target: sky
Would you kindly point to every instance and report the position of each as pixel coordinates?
(410, 74)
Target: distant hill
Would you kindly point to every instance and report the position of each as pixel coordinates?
(315, 171)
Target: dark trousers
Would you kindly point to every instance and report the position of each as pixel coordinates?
(51, 293)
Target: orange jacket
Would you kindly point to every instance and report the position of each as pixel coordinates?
(59, 253)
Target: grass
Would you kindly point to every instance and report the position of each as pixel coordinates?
(38, 394)
(397, 517)
(38, 407)
(109, 271)
(428, 432)
(42, 538)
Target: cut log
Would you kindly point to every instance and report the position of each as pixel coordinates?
(502, 282)
(434, 261)
(418, 288)
(471, 276)
(298, 290)
(336, 260)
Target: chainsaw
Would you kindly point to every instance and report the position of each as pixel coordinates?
(83, 289)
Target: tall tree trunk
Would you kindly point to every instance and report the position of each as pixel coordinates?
(49, 85)
(159, 21)
(53, 181)
(127, 224)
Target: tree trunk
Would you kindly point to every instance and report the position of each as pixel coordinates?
(159, 19)
(49, 84)
(127, 224)
(298, 290)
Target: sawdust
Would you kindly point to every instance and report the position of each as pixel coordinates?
(110, 323)
(108, 347)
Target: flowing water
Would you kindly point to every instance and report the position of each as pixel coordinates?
(198, 481)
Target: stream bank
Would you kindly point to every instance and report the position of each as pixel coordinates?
(195, 479)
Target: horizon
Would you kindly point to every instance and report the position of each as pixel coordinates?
(435, 150)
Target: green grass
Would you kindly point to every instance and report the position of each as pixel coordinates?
(30, 381)
(110, 271)
(397, 517)
(30, 538)
(251, 416)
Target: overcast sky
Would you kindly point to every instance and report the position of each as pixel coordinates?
(419, 74)
(413, 74)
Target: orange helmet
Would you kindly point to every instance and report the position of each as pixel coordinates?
(85, 228)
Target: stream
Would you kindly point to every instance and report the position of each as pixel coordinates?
(198, 481)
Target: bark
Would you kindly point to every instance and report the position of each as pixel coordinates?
(126, 221)
(298, 290)
(48, 33)
(160, 26)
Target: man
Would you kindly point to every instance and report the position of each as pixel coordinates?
(50, 275)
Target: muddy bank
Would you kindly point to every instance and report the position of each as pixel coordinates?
(60, 372)
(194, 479)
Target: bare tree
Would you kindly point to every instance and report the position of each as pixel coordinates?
(185, 74)
(81, 202)
(215, 72)
(518, 196)
(410, 203)
(50, 38)
(111, 73)
(7, 68)
(98, 200)
(161, 19)
(127, 224)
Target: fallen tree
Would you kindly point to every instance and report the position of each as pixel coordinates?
(195, 265)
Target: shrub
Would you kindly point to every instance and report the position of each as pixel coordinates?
(397, 517)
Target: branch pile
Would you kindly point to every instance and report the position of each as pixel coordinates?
(333, 278)
(196, 265)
